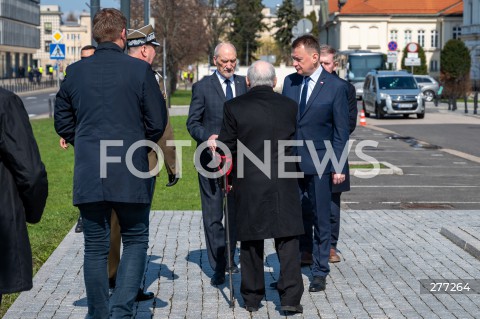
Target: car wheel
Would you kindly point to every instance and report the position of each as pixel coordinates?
(378, 112)
(420, 115)
(365, 110)
(429, 95)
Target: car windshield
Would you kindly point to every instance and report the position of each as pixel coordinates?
(397, 83)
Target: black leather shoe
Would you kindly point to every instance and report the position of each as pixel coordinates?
(79, 227)
(172, 180)
(292, 309)
(251, 308)
(218, 278)
(234, 268)
(318, 284)
(142, 296)
(273, 285)
(111, 283)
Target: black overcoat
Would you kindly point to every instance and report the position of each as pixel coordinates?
(23, 193)
(266, 206)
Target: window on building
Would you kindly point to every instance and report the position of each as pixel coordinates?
(433, 65)
(47, 46)
(421, 38)
(393, 35)
(408, 36)
(434, 39)
(457, 32)
(47, 28)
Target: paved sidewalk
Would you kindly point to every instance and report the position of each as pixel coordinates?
(385, 254)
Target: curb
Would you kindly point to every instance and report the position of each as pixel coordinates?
(462, 237)
(391, 170)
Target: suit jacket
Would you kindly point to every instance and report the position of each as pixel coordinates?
(325, 119)
(23, 193)
(110, 96)
(265, 207)
(206, 108)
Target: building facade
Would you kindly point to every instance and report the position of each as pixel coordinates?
(471, 37)
(371, 25)
(307, 6)
(19, 36)
(75, 35)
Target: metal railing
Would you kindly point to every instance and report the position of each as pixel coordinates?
(18, 85)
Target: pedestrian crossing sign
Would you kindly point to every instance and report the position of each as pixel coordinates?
(57, 51)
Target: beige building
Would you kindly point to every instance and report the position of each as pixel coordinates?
(75, 35)
(370, 25)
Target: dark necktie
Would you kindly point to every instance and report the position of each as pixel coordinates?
(228, 91)
(303, 98)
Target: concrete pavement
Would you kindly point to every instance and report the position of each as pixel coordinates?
(385, 254)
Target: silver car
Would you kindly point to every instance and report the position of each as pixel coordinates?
(428, 85)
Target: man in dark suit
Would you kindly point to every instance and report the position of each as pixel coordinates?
(322, 126)
(204, 122)
(329, 64)
(267, 203)
(106, 104)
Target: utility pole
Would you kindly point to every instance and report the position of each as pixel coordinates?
(146, 12)
(125, 8)
(94, 7)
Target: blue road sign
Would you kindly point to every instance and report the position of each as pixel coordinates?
(57, 51)
(392, 46)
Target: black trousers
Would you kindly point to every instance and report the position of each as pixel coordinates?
(289, 284)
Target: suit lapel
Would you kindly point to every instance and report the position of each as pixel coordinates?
(239, 88)
(216, 84)
(316, 90)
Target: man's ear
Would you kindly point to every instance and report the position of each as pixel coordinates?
(274, 82)
(214, 60)
(248, 82)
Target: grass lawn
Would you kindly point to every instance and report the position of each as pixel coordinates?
(60, 216)
(181, 97)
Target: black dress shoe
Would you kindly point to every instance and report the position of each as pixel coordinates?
(318, 284)
(79, 227)
(218, 278)
(251, 308)
(142, 296)
(292, 309)
(234, 268)
(172, 180)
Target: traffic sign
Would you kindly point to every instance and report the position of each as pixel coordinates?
(392, 46)
(304, 26)
(413, 62)
(412, 47)
(392, 57)
(57, 51)
(57, 36)
(412, 54)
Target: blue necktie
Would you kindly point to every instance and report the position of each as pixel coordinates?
(303, 98)
(228, 91)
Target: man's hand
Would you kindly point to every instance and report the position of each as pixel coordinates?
(63, 144)
(338, 178)
(212, 144)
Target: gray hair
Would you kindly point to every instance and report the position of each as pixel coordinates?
(261, 73)
(328, 49)
(221, 44)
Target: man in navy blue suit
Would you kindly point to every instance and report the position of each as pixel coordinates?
(204, 121)
(322, 132)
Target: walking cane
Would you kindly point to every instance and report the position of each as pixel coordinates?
(227, 165)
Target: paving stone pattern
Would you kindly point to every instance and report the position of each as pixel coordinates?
(385, 254)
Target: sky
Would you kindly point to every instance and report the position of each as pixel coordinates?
(77, 6)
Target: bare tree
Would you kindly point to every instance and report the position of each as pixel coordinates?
(182, 26)
(217, 17)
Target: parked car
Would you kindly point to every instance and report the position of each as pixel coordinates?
(392, 92)
(428, 85)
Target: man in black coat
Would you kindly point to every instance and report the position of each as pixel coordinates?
(24, 189)
(204, 121)
(109, 108)
(266, 198)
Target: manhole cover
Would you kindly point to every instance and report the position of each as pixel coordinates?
(425, 206)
